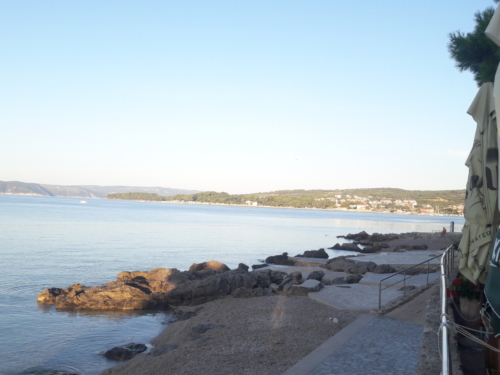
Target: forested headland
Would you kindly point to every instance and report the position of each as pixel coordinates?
(379, 199)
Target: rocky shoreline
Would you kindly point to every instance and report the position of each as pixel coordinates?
(206, 282)
(162, 288)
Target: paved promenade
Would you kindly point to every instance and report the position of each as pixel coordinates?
(369, 345)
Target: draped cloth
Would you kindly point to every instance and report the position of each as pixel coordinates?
(481, 199)
(492, 287)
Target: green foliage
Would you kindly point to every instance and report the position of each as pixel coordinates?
(321, 199)
(474, 51)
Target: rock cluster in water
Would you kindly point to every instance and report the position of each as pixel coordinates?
(160, 288)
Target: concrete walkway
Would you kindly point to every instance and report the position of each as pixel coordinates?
(415, 280)
(354, 296)
(402, 259)
(369, 345)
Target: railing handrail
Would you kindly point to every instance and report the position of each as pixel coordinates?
(380, 289)
(446, 265)
(415, 265)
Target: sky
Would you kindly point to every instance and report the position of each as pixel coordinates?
(235, 96)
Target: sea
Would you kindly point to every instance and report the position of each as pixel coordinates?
(56, 242)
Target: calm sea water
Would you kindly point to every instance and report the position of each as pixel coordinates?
(55, 242)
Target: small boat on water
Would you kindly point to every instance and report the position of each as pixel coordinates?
(83, 202)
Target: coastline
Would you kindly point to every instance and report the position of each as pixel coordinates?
(242, 205)
(287, 208)
(265, 335)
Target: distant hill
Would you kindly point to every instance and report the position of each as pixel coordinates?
(83, 191)
(377, 199)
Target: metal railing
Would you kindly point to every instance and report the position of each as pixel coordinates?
(405, 277)
(447, 265)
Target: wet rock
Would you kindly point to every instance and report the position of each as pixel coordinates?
(125, 352)
(321, 253)
(337, 246)
(282, 260)
(48, 296)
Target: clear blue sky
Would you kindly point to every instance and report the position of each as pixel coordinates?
(236, 96)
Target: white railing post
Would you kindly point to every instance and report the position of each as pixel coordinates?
(444, 329)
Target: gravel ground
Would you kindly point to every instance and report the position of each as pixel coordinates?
(263, 335)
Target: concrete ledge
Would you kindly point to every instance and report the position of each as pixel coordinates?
(415, 280)
(354, 296)
(318, 355)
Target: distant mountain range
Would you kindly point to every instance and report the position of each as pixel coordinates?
(82, 191)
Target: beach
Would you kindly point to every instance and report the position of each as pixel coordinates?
(262, 335)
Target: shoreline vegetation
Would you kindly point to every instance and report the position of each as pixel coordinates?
(383, 200)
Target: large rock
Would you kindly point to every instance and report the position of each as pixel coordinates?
(290, 280)
(375, 237)
(351, 279)
(116, 295)
(243, 267)
(125, 351)
(350, 247)
(282, 260)
(321, 253)
(48, 296)
(360, 268)
(384, 268)
(345, 264)
(337, 246)
(160, 288)
(257, 266)
(369, 249)
(305, 288)
(316, 275)
(211, 265)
